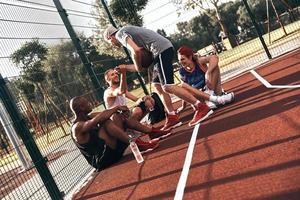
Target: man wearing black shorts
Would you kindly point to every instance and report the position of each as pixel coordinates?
(138, 39)
(101, 140)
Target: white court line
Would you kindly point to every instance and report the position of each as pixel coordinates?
(268, 85)
(186, 167)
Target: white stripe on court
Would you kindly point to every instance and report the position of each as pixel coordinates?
(186, 166)
(268, 85)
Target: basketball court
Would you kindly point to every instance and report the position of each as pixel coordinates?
(249, 149)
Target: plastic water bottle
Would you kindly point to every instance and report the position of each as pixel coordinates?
(136, 152)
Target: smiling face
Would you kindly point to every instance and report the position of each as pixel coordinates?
(186, 62)
(112, 77)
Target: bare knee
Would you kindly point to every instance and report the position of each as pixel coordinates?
(158, 89)
(109, 140)
(137, 113)
(169, 89)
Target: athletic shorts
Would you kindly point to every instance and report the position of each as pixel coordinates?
(109, 156)
(163, 72)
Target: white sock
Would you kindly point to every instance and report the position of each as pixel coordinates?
(213, 98)
(172, 113)
(197, 103)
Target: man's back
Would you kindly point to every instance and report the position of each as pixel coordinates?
(145, 38)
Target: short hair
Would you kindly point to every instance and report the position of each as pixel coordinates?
(75, 103)
(185, 50)
(105, 74)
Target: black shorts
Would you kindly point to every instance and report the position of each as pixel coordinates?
(163, 72)
(109, 156)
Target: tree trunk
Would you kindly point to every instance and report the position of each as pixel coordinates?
(224, 28)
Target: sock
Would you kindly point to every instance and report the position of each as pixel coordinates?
(197, 103)
(213, 98)
(172, 113)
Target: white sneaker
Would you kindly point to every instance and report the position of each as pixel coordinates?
(226, 98)
(211, 105)
(209, 92)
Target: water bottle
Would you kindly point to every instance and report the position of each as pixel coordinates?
(136, 152)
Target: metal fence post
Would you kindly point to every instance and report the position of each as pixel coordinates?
(257, 29)
(126, 51)
(87, 64)
(23, 131)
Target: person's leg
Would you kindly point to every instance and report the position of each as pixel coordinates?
(166, 99)
(216, 81)
(195, 92)
(113, 132)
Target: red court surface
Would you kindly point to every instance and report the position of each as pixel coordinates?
(249, 149)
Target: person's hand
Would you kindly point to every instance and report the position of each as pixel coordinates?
(121, 68)
(124, 111)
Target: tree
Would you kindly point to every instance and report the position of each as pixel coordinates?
(30, 58)
(127, 12)
(216, 15)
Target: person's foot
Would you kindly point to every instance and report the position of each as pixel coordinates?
(172, 121)
(203, 111)
(159, 134)
(148, 146)
(211, 105)
(226, 98)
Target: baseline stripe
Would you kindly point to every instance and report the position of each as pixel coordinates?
(268, 85)
(186, 167)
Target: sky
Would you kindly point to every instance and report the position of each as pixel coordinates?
(14, 31)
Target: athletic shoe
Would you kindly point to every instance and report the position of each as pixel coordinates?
(159, 134)
(172, 121)
(211, 105)
(201, 114)
(226, 98)
(208, 91)
(145, 147)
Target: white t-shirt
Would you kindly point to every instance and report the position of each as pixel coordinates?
(120, 100)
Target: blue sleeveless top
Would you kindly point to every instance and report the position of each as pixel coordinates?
(196, 79)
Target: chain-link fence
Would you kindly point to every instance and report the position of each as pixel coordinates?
(51, 52)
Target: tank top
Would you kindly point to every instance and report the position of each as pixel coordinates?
(195, 79)
(94, 148)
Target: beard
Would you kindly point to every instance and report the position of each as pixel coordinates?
(116, 82)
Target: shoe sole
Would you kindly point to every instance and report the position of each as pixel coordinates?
(203, 118)
(149, 150)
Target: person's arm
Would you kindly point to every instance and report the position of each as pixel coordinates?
(131, 96)
(123, 81)
(211, 60)
(101, 117)
(135, 54)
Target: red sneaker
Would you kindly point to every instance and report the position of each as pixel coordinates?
(159, 134)
(145, 147)
(172, 121)
(203, 111)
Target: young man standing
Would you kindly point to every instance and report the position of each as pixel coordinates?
(138, 39)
